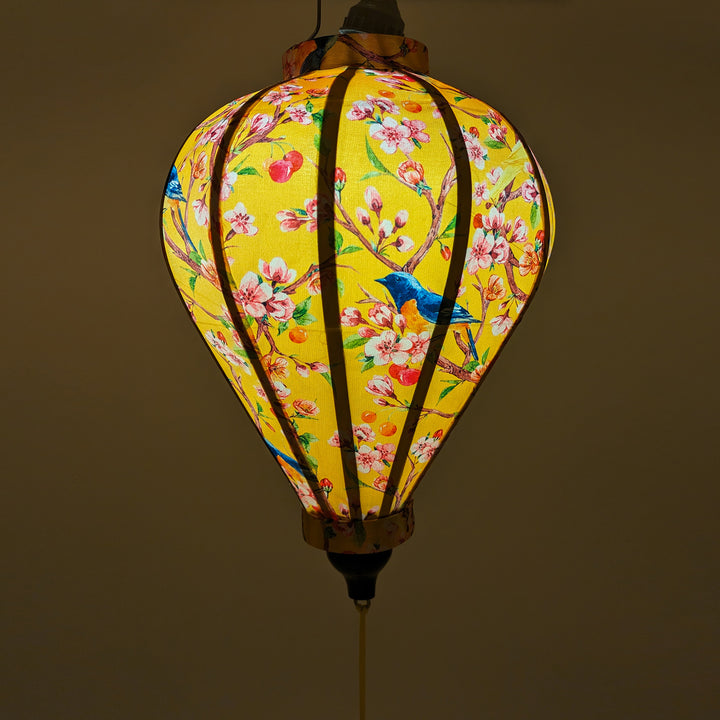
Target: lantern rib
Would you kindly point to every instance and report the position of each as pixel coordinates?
(393, 493)
(327, 260)
(237, 316)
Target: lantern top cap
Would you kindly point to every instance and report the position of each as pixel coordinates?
(370, 50)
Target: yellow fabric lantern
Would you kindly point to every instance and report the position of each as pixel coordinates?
(355, 244)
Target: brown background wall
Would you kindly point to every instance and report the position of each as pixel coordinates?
(574, 577)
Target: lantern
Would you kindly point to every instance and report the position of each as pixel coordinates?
(355, 244)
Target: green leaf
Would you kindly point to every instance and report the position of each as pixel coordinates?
(312, 462)
(248, 171)
(350, 249)
(417, 143)
(448, 231)
(306, 319)
(449, 389)
(487, 120)
(327, 377)
(369, 365)
(192, 282)
(195, 257)
(494, 144)
(374, 161)
(484, 356)
(458, 98)
(341, 287)
(259, 407)
(470, 366)
(316, 142)
(309, 106)
(534, 215)
(353, 341)
(306, 439)
(202, 250)
(282, 327)
(302, 308)
(338, 240)
(371, 174)
(318, 118)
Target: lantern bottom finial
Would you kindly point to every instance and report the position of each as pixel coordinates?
(360, 571)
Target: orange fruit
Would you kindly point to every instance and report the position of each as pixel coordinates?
(386, 93)
(387, 429)
(412, 106)
(298, 335)
(368, 416)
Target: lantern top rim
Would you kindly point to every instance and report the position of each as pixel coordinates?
(370, 50)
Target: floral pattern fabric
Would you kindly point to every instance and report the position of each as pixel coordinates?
(395, 205)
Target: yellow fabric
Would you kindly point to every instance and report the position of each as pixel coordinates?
(395, 206)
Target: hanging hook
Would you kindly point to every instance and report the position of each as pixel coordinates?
(319, 20)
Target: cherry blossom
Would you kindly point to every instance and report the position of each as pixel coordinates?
(199, 167)
(401, 218)
(209, 272)
(494, 175)
(280, 306)
(417, 130)
(299, 114)
(260, 123)
(404, 243)
(215, 132)
(373, 199)
(529, 191)
(381, 314)
(385, 229)
(387, 452)
(277, 271)
(319, 367)
(411, 172)
(381, 385)
(363, 216)
(306, 408)
(476, 150)
(277, 368)
(393, 136)
(311, 210)
(497, 132)
(384, 105)
(281, 390)
(501, 324)
(350, 317)
(306, 496)
(480, 193)
(419, 345)
(360, 110)
(424, 448)
(388, 348)
(240, 221)
(486, 250)
(518, 231)
(223, 349)
(302, 370)
(252, 295)
(202, 212)
(368, 459)
(314, 286)
(290, 220)
(228, 180)
(380, 483)
(494, 220)
(364, 432)
(529, 260)
(495, 289)
(367, 332)
(281, 95)
(334, 439)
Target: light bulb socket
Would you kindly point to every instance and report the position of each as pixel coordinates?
(360, 571)
(374, 16)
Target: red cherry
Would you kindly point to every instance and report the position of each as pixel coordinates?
(295, 159)
(445, 252)
(474, 131)
(477, 220)
(280, 171)
(408, 376)
(395, 370)
(540, 235)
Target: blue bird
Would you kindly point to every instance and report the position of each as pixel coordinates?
(419, 305)
(292, 462)
(174, 193)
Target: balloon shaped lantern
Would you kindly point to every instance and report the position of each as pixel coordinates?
(355, 244)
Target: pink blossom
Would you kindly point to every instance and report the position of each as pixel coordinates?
(319, 367)
(373, 199)
(282, 391)
(401, 218)
(350, 317)
(280, 306)
(260, 392)
(518, 231)
(302, 370)
(305, 494)
(494, 220)
(479, 255)
(495, 116)
(384, 104)
(497, 132)
(419, 345)
(494, 175)
(289, 220)
(240, 221)
(260, 122)
(223, 349)
(202, 213)
(314, 286)
(360, 110)
(277, 271)
(529, 191)
(364, 432)
(368, 459)
(388, 348)
(281, 95)
(363, 216)
(401, 322)
(252, 295)
(367, 332)
(381, 385)
(387, 452)
(209, 271)
(528, 167)
(380, 483)
(228, 180)
(215, 132)
(385, 229)
(334, 439)
(424, 448)
(393, 136)
(299, 114)
(476, 150)
(501, 324)
(480, 193)
(311, 210)
(381, 315)
(417, 130)
(306, 408)
(404, 243)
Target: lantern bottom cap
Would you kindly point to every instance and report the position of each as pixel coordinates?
(360, 572)
(359, 537)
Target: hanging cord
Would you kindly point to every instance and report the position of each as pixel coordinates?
(319, 20)
(362, 607)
